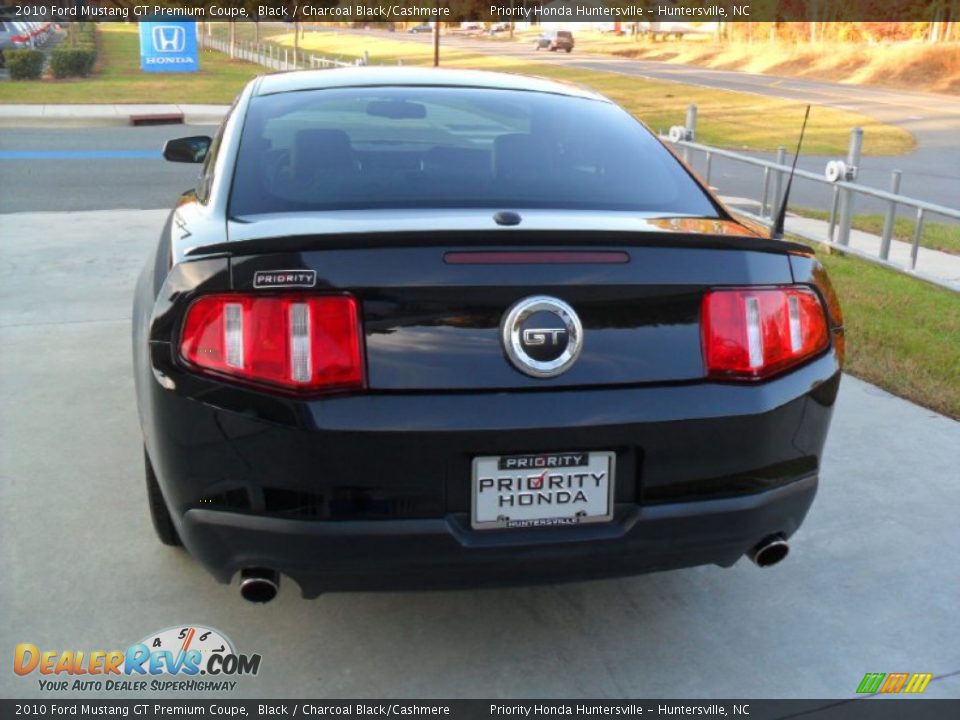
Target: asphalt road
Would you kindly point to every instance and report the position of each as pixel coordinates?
(870, 586)
(92, 168)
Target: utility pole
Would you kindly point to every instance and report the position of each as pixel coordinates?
(436, 43)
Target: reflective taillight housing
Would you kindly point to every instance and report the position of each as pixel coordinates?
(755, 333)
(303, 343)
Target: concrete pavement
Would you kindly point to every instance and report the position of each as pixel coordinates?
(870, 586)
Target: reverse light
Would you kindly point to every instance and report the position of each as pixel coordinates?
(755, 333)
(295, 342)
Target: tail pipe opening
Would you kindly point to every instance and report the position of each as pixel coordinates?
(769, 551)
(259, 585)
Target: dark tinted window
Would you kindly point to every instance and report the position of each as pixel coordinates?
(419, 147)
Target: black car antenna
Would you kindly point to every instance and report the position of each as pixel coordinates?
(776, 232)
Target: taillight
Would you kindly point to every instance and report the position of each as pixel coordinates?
(295, 342)
(755, 333)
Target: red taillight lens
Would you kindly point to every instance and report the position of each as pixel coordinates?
(296, 342)
(751, 333)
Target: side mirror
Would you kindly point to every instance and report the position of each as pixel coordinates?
(187, 149)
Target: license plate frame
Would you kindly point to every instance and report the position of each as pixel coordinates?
(553, 480)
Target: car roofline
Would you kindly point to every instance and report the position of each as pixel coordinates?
(368, 77)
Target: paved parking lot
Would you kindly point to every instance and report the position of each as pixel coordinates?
(872, 583)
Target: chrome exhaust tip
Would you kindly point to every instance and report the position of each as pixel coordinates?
(259, 585)
(769, 552)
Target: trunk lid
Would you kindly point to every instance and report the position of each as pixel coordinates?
(432, 307)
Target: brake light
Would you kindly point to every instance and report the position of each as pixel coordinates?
(756, 333)
(294, 342)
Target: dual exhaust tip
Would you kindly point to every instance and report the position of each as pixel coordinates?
(261, 585)
(769, 551)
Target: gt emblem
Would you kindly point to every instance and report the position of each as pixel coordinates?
(542, 336)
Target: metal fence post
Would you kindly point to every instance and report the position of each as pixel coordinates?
(366, 57)
(708, 166)
(286, 58)
(891, 219)
(778, 182)
(917, 234)
(846, 196)
(765, 195)
(691, 123)
(691, 126)
(833, 211)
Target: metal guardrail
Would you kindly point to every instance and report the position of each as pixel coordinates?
(844, 189)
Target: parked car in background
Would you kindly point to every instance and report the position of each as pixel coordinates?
(12, 37)
(555, 40)
(421, 28)
(430, 328)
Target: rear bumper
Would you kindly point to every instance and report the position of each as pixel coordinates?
(446, 553)
(373, 491)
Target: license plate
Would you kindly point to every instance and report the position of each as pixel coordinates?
(542, 490)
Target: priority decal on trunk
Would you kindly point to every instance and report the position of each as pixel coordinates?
(284, 278)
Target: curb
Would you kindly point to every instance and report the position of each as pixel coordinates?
(73, 116)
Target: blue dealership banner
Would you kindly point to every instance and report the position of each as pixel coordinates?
(168, 46)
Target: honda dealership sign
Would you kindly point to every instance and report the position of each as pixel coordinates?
(168, 46)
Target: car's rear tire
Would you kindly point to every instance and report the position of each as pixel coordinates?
(159, 514)
(569, 49)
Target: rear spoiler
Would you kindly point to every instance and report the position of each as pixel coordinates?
(499, 238)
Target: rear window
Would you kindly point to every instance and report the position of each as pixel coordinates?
(564, 34)
(425, 147)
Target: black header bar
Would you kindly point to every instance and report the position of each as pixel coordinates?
(455, 11)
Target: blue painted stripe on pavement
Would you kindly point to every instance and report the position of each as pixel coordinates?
(80, 154)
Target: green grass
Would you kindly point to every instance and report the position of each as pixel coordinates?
(935, 236)
(726, 119)
(902, 334)
(117, 78)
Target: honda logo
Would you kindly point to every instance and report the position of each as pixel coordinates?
(169, 39)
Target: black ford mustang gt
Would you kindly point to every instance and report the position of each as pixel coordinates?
(422, 328)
